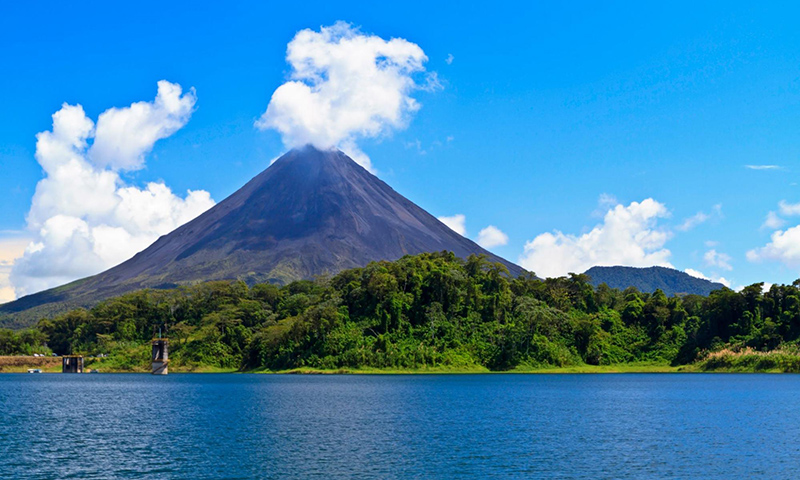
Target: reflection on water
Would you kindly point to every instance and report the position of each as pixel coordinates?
(442, 426)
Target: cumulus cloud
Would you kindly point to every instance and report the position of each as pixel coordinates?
(492, 236)
(449, 59)
(488, 237)
(629, 235)
(84, 218)
(784, 247)
(695, 273)
(10, 250)
(717, 259)
(123, 136)
(345, 85)
(698, 274)
(456, 223)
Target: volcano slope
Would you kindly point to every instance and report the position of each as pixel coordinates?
(310, 213)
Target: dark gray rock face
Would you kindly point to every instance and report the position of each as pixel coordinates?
(311, 213)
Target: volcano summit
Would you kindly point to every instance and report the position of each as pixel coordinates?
(311, 213)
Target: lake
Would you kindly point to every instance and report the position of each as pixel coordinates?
(399, 426)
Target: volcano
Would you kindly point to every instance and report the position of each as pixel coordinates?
(310, 213)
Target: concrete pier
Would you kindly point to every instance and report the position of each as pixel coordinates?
(72, 364)
(160, 356)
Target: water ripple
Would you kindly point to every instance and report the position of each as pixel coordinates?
(460, 426)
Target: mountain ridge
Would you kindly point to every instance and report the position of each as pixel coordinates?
(648, 279)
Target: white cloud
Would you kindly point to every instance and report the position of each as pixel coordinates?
(10, 250)
(695, 273)
(773, 221)
(488, 237)
(693, 221)
(604, 202)
(763, 167)
(492, 236)
(417, 145)
(784, 248)
(607, 200)
(698, 274)
(345, 85)
(449, 59)
(123, 136)
(789, 209)
(456, 223)
(628, 236)
(83, 217)
(700, 217)
(716, 259)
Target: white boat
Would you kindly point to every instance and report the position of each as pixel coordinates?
(34, 370)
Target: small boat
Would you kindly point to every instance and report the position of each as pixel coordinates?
(34, 370)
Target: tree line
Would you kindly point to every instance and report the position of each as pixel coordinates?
(427, 310)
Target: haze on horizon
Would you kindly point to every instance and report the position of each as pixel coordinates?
(557, 138)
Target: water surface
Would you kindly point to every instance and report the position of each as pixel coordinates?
(396, 426)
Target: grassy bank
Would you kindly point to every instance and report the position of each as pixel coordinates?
(124, 365)
(377, 371)
(21, 364)
(642, 367)
(747, 360)
(17, 364)
(727, 360)
(718, 362)
(618, 368)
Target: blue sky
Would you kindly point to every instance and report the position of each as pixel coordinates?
(542, 110)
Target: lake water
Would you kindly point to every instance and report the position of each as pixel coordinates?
(397, 426)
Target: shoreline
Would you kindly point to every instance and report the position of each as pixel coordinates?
(53, 365)
(21, 364)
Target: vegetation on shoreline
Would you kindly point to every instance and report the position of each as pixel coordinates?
(784, 360)
(18, 364)
(430, 313)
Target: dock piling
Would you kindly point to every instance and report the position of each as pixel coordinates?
(72, 364)
(160, 357)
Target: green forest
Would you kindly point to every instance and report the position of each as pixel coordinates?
(428, 312)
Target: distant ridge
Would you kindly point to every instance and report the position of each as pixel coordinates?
(310, 213)
(650, 279)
